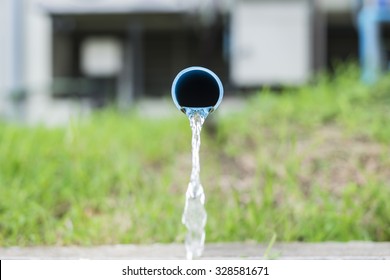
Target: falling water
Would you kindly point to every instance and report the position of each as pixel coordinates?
(197, 92)
(194, 216)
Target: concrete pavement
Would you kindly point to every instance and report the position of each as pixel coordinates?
(299, 251)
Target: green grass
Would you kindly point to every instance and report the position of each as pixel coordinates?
(307, 164)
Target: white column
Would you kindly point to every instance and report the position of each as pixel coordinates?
(3, 55)
(38, 54)
(11, 57)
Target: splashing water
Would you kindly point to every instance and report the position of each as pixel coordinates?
(195, 216)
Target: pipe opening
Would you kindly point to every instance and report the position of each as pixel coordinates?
(197, 88)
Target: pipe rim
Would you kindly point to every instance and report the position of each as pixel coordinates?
(196, 68)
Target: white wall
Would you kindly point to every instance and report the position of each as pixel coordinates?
(3, 53)
(37, 47)
(270, 43)
(2, 43)
(34, 61)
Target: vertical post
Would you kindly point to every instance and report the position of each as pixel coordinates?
(3, 40)
(130, 80)
(369, 44)
(138, 63)
(16, 44)
(318, 17)
(125, 87)
(16, 59)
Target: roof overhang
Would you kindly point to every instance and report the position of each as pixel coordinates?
(74, 7)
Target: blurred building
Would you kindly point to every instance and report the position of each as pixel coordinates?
(103, 51)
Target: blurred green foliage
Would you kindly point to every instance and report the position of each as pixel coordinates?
(307, 164)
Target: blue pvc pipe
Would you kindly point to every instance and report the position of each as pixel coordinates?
(197, 87)
(369, 20)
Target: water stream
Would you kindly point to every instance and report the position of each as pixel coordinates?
(194, 215)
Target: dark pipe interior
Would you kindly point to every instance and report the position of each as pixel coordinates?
(197, 88)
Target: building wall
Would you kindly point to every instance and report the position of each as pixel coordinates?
(168, 44)
(37, 47)
(24, 53)
(271, 43)
(11, 55)
(155, 49)
(3, 50)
